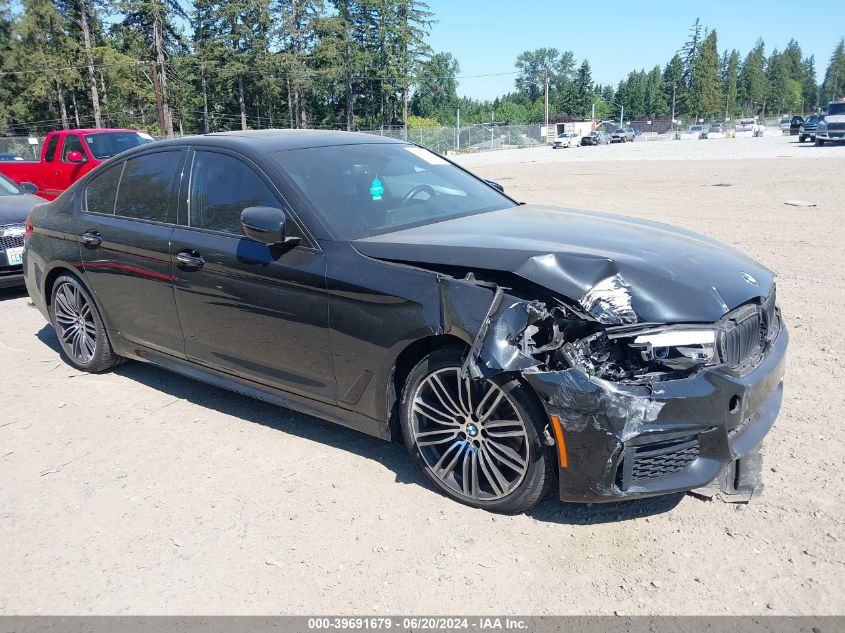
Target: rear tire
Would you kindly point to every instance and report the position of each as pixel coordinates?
(477, 441)
(79, 327)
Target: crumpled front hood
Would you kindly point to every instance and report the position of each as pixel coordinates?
(15, 208)
(671, 275)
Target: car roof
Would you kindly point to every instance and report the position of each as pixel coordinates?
(98, 130)
(279, 140)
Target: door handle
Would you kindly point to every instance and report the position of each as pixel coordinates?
(189, 258)
(92, 238)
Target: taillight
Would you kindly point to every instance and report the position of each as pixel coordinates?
(27, 233)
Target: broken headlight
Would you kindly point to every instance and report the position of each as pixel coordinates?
(678, 349)
(645, 355)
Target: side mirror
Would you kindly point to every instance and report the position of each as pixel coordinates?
(29, 187)
(75, 157)
(266, 225)
(495, 185)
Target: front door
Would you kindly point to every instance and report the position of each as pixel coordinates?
(125, 227)
(61, 172)
(248, 309)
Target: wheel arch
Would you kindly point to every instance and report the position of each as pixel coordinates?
(407, 359)
(67, 269)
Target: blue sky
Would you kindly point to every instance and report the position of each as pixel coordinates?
(487, 35)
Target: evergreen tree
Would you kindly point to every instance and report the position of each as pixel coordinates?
(753, 84)
(730, 79)
(833, 86)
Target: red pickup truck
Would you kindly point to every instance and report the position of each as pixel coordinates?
(67, 155)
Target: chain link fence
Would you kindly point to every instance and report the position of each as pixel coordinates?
(20, 147)
(472, 138)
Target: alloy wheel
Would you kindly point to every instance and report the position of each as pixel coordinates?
(470, 435)
(75, 323)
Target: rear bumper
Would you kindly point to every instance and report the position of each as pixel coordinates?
(627, 442)
(10, 276)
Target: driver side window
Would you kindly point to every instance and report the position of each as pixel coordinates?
(221, 188)
(73, 144)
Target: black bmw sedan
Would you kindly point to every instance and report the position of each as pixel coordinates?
(513, 348)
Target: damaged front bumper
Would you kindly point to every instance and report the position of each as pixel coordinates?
(631, 441)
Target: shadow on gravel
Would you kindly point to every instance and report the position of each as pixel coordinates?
(391, 455)
(17, 292)
(249, 409)
(551, 510)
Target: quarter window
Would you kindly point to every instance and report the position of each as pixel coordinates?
(221, 188)
(146, 187)
(100, 193)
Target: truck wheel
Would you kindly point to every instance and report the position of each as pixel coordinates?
(801, 139)
(819, 141)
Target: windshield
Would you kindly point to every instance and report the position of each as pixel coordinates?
(836, 108)
(7, 187)
(106, 144)
(371, 189)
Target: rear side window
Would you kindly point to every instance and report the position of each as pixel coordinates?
(50, 154)
(100, 192)
(146, 186)
(72, 144)
(221, 188)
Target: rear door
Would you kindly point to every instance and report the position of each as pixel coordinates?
(246, 308)
(127, 221)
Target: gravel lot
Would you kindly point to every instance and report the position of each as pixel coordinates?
(142, 492)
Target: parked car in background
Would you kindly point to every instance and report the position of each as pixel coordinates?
(749, 127)
(7, 157)
(832, 126)
(807, 132)
(566, 139)
(623, 135)
(791, 125)
(717, 130)
(68, 155)
(599, 137)
(517, 349)
(15, 204)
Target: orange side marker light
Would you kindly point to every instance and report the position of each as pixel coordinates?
(561, 443)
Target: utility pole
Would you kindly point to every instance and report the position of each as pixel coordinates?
(622, 117)
(674, 86)
(159, 104)
(492, 126)
(458, 132)
(546, 101)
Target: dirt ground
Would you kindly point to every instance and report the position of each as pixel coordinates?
(141, 492)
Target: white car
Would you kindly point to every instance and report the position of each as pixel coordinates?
(749, 127)
(566, 139)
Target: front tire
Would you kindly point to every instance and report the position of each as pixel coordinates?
(801, 139)
(819, 141)
(477, 441)
(79, 327)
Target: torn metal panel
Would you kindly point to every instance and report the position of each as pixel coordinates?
(610, 301)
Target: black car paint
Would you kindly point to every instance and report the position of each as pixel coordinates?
(330, 328)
